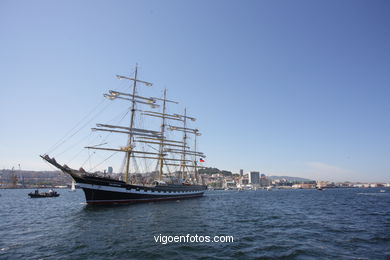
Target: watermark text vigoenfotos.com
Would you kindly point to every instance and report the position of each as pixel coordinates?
(165, 239)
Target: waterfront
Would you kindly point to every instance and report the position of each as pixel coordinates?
(344, 223)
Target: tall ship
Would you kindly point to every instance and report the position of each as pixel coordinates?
(171, 147)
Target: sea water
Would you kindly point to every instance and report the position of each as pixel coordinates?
(301, 224)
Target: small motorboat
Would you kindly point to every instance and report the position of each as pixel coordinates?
(37, 194)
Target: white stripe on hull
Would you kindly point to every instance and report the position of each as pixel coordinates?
(141, 200)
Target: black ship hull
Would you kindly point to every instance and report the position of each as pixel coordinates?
(101, 190)
(104, 195)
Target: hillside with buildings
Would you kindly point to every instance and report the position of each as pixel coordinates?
(212, 177)
(10, 178)
(217, 179)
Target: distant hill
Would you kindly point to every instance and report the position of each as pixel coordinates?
(213, 170)
(290, 179)
(30, 178)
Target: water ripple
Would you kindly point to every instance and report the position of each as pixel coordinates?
(282, 224)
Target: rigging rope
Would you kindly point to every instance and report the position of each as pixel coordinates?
(94, 139)
(79, 129)
(104, 160)
(73, 145)
(68, 135)
(61, 141)
(74, 157)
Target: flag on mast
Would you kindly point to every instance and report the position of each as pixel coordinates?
(201, 160)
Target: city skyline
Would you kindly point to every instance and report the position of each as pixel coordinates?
(295, 88)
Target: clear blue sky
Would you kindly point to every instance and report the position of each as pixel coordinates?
(299, 88)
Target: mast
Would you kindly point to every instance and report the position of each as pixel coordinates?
(161, 158)
(195, 160)
(184, 143)
(184, 148)
(130, 135)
